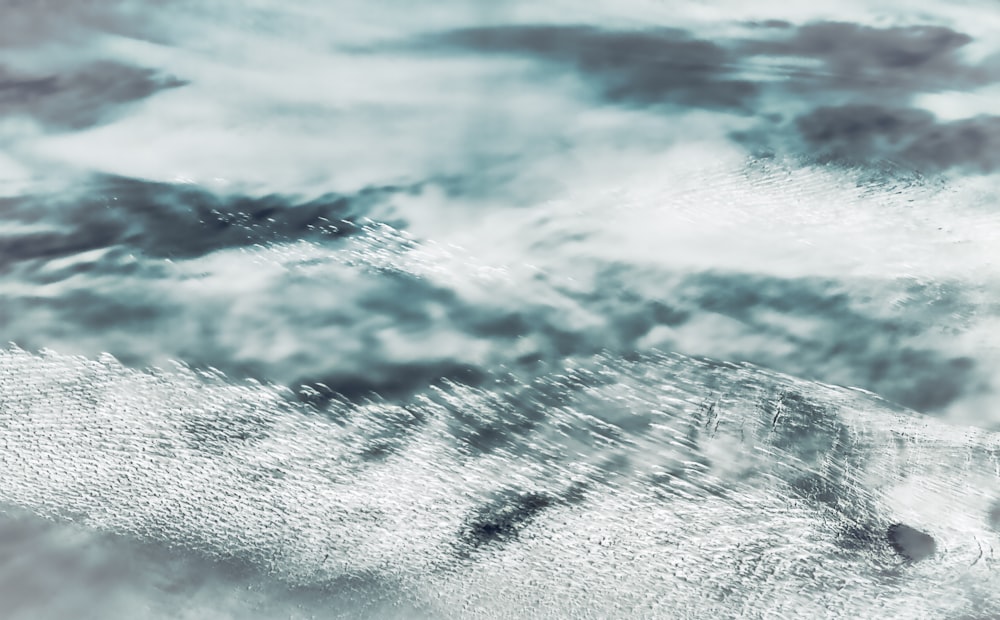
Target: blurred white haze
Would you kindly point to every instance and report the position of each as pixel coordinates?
(499, 309)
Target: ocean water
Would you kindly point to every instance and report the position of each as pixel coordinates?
(638, 309)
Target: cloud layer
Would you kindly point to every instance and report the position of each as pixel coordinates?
(644, 67)
(80, 97)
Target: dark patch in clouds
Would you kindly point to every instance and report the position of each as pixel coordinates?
(642, 67)
(859, 97)
(78, 98)
(846, 342)
(878, 62)
(29, 23)
(864, 77)
(865, 133)
(395, 334)
(672, 66)
(393, 380)
(122, 299)
(771, 24)
(171, 220)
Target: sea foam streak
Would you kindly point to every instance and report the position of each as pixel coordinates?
(659, 485)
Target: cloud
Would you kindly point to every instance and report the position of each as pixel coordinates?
(826, 329)
(853, 92)
(799, 270)
(642, 67)
(345, 326)
(173, 220)
(969, 143)
(858, 67)
(771, 24)
(80, 97)
(30, 23)
(877, 62)
(664, 65)
(865, 133)
(54, 569)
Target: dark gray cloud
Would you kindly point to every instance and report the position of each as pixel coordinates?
(877, 62)
(771, 24)
(172, 220)
(861, 93)
(332, 328)
(30, 23)
(80, 97)
(848, 343)
(914, 137)
(642, 67)
(647, 67)
(206, 330)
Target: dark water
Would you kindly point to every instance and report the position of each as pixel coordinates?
(519, 310)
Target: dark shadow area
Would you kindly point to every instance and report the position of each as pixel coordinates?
(914, 137)
(846, 344)
(502, 519)
(395, 381)
(641, 67)
(877, 63)
(28, 23)
(993, 517)
(911, 543)
(78, 98)
(166, 220)
(820, 329)
(859, 84)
